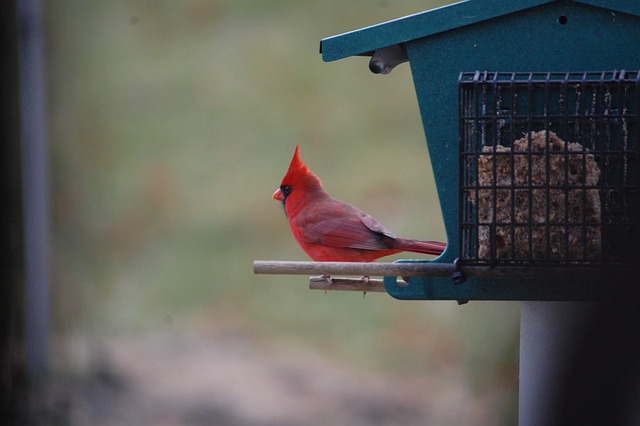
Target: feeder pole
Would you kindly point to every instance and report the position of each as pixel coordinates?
(549, 331)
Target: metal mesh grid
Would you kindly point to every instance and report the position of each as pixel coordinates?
(549, 167)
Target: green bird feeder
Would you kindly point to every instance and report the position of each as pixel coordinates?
(530, 111)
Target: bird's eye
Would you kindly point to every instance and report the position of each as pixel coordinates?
(286, 189)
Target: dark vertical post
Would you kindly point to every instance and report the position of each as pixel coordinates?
(35, 177)
(12, 378)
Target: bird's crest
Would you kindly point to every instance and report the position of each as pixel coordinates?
(298, 170)
(297, 163)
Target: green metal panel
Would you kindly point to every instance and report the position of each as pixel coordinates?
(496, 36)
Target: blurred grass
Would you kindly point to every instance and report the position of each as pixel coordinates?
(172, 124)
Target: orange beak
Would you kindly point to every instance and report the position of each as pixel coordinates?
(278, 195)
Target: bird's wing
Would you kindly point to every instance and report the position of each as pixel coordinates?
(373, 224)
(354, 230)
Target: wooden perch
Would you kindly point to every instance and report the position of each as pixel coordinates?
(326, 271)
(354, 268)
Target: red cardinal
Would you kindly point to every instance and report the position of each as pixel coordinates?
(331, 230)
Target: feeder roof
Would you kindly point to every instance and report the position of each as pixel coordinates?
(424, 24)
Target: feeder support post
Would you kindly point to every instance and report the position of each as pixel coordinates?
(549, 331)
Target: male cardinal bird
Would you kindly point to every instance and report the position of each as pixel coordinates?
(331, 230)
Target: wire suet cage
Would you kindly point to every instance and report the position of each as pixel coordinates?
(549, 168)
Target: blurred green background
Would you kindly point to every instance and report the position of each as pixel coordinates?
(171, 124)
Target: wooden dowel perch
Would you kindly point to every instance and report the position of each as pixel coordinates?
(324, 270)
(354, 268)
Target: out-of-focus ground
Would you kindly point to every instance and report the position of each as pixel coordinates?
(226, 378)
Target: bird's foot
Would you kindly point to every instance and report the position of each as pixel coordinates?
(322, 278)
(365, 281)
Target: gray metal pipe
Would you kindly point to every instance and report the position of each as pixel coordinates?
(549, 333)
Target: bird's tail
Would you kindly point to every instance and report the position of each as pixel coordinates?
(416, 246)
